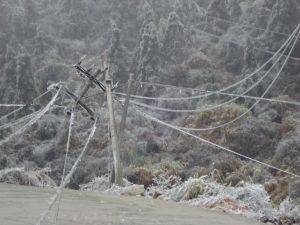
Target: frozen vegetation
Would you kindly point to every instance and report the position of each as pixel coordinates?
(192, 44)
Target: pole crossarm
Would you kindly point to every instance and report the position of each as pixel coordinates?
(78, 101)
(92, 78)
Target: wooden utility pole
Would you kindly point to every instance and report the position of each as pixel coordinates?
(86, 88)
(113, 132)
(125, 109)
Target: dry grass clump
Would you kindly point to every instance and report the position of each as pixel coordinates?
(145, 177)
(200, 61)
(139, 175)
(28, 178)
(171, 168)
(194, 188)
(227, 164)
(277, 189)
(217, 116)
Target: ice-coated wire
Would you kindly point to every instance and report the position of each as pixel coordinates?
(25, 118)
(242, 45)
(149, 117)
(236, 83)
(248, 26)
(68, 177)
(11, 113)
(6, 171)
(212, 107)
(245, 113)
(224, 103)
(257, 101)
(65, 162)
(22, 107)
(189, 98)
(19, 121)
(12, 105)
(34, 120)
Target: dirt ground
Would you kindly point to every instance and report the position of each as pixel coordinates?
(20, 205)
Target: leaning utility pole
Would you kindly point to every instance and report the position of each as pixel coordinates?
(125, 109)
(113, 132)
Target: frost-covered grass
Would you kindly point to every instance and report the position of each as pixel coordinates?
(248, 199)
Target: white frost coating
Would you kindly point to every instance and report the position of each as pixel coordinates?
(65, 162)
(249, 110)
(19, 121)
(149, 117)
(227, 102)
(6, 171)
(11, 113)
(256, 102)
(34, 120)
(12, 105)
(37, 178)
(22, 107)
(289, 208)
(249, 200)
(237, 83)
(25, 118)
(189, 98)
(68, 177)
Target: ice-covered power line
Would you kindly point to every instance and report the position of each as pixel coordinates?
(12, 105)
(11, 113)
(65, 162)
(251, 108)
(199, 90)
(243, 45)
(249, 75)
(239, 44)
(222, 104)
(18, 121)
(206, 15)
(25, 118)
(248, 26)
(151, 118)
(33, 120)
(68, 177)
(257, 101)
(23, 106)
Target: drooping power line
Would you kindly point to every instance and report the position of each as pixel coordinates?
(151, 118)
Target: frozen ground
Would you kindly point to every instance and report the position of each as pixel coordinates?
(20, 205)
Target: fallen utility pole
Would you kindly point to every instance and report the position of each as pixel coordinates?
(92, 78)
(126, 105)
(118, 173)
(88, 85)
(79, 102)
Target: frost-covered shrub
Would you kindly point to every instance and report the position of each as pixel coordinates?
(47, 128)
(195, 187)
(294, 190)
(25, 153)
(288, 150)
(277, 189)
(227, 164)
(5, 161)
(43, 154)
(253, 138)
(152, 146)
(51, 73)
(37, 178)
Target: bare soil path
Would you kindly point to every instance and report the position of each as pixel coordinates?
(20, 205)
